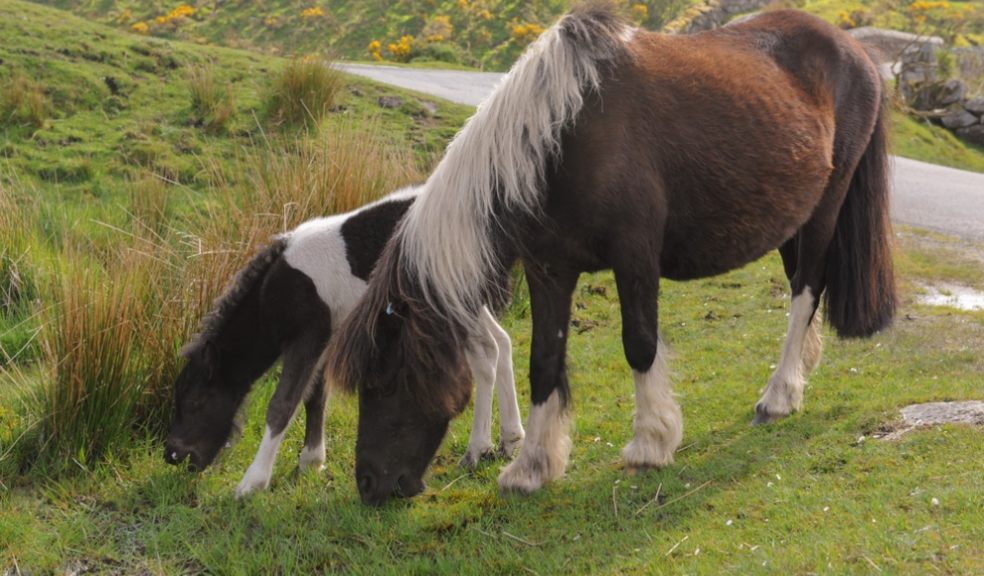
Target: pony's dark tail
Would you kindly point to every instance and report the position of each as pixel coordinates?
(860, 294)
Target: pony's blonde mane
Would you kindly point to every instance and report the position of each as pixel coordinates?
(496, 164)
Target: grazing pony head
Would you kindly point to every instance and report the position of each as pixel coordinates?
(223, 362)
(205, 406)
(408, 367)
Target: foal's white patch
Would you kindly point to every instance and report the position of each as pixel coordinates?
(543, 456)
(318, 249)
(258, 474)
(784, 393)
(482, 355)
(658, 422)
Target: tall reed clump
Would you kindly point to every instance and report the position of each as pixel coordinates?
(116, 314)
(23, 103)
(302, 93)
(212, 102)
(89, 343)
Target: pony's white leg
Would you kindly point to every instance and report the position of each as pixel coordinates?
(543, 455)
(784, 393)
(258, 474)
(482, 356)
(812, 347)
(511, 431)
(313, 457)
(658, 422)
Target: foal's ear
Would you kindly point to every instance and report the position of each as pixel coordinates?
(205, 351)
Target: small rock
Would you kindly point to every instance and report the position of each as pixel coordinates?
(949, 92)
(935, 502)
(390, 101)
(975, 105)
(429, 108)
(973, 134)
(957, 117)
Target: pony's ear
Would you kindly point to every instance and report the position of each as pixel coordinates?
(385, 360)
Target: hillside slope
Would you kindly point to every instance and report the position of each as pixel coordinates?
(480, 33)
(112, 104)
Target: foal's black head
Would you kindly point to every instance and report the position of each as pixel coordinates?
(411, 378)
(205, 406)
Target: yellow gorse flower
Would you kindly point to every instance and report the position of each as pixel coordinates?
(140, 28)
(313, 12)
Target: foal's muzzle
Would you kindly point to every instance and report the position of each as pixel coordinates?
(375, 487)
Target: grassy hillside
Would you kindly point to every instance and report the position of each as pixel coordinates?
(480, 33)
(114, 103)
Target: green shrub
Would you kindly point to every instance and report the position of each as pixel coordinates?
(212, 103)
(302, 93)
(439, 52)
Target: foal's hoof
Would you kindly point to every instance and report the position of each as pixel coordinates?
(473, 456)
(507, 449)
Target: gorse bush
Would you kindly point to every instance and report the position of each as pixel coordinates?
(302, 93)
(23, 102)
(212, 102)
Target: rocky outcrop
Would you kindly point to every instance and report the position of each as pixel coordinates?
(712, 14)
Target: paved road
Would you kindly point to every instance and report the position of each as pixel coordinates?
(925, 195)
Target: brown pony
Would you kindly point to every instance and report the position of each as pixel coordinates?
(655, 156)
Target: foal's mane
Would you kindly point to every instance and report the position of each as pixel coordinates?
(226, 305)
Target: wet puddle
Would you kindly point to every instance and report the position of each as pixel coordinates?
(953, 295)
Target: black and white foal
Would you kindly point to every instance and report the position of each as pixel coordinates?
(285, 303)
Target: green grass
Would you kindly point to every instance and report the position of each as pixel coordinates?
(817, 492)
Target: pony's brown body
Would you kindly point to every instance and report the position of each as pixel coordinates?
(687, 157)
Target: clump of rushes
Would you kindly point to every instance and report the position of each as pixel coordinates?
(116, 311)
(303, 93)
(23, 103)
(212, 102)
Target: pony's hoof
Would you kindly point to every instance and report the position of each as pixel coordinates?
(764, 416)
(519, 479)
(641, 456)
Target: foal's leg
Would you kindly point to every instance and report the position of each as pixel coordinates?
(543, 455)
(482, 356)
(300, 358)
(658, 422)
(313, 453)
(511, 431)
